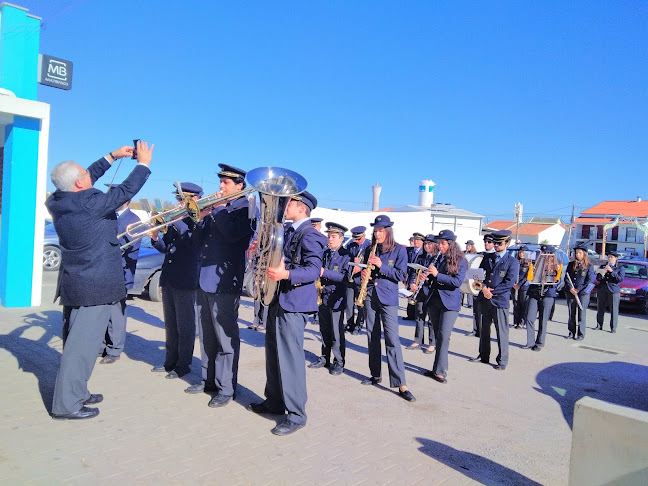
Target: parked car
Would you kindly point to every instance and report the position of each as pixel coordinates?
(51, 249)
(634, 288)
(532, 252)
(147, 272)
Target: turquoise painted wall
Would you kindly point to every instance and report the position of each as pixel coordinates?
(19, 44)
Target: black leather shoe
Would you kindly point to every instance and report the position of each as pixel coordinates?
(197, 388)
(407, 395)
(500, 367)
(613, 331)
(321, 362)
(286, 427)
(336, 369)
(262, 408)
(159, 369)
(477, 358)
(599, 328)
(579, 338)
(570, 335)
(219, 401)
(536, 348)
(526, 346)
(84, 413)
(440, 379)
(171, 375)
(411, 346)
(108, 359)
(371, 381)
(98, 398)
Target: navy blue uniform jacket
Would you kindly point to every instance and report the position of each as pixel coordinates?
(500, 276)
(523, 273)
(181, 265)
(86, 222)
(224, 236)
(384, 280)
(611, 280)
(447, 286)
(303, 252)
(582, 278)
(130, 253)
(356, 249)
(336, 268)
(426, 260)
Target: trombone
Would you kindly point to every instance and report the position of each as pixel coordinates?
(189, 207)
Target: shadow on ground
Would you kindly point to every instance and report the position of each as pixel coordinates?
(614, 382)
(476, 467)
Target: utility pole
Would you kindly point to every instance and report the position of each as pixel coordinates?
(518, 219)
(571, 225)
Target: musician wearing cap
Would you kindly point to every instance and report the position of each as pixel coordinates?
(413, 253)
(333, 275)
(285, 389)
(179, 280)
(223, 235)
(501, 273)
(608, 292)
(357, 248)
(487, 254)
(446, 274)
(422, 290)
(519, 293)
(580, 284)
(317, 223)
(389, 261)
(470, 250)
(540, 300)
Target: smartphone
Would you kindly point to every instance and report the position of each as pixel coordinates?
(135, 148)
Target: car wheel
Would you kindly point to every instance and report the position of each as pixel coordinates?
(154, 289)
(644, 306)
(51, 258)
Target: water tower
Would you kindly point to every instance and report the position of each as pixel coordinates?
(426, 193)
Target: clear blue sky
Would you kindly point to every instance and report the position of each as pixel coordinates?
(543, 102)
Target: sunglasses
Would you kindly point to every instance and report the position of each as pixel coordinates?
(499, 243)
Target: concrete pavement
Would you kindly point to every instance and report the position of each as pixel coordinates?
(484, 426)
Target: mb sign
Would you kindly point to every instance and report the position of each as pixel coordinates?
(54, 72)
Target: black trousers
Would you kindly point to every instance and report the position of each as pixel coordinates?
(179, 308)
(423, 322)
(355, 316)
(477, 315)
(331, 324)
(606, 299)
(519, 307)
(115, 337)
(577, 323)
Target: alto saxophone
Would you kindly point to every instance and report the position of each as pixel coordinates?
(362, 294)
(319, 287)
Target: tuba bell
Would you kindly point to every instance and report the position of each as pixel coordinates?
(275, 186)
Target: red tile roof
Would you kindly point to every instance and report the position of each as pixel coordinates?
(499, 224)
(527, 229)
(637, 209)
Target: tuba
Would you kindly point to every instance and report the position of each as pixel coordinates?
(275, 186)
(546, 271)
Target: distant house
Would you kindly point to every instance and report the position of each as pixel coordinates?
(552, 233)
(625, 237)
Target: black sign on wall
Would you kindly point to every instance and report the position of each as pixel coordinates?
(54, 72)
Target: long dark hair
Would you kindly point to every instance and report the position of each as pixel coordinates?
(585, 259)
(435, 248)
(453, 256)
(389, 244)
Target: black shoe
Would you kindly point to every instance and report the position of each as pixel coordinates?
(336, 369)
(200, 388)
(108, 359)
(477, 358)
(98, 398)
(570, 336)
(286, 427)
(171, 375)
(320, 363)
(407, 395)
(371, 381)
(613, 331)
(262, 408)
(159, 369)
(526, 346)
(411, 346)
(536, 348)
(579, 338)
(84, 413)
(599, 328)
(219, 400)
(428, 350)
(501, 367)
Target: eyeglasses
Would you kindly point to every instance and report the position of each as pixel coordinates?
(179, 197)
(499, 243)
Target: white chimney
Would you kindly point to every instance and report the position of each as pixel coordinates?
(426, 193)
(375, 205)
(638, 198)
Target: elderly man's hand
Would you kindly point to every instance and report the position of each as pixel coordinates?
(144, 154)
(125, 151)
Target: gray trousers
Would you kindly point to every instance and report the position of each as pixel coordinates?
(577, 318)
(285, 362)
(351, 296)
(179, 307)
(116, 333)
(220, 342)
(543, 306)
(605, 299)
(83, 332)
(443, 321)
(499, 316)
(422, 322)
(378, 313)
(331, 323)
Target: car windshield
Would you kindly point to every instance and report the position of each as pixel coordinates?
(634, 270)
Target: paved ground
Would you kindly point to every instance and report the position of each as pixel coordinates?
(484, 426)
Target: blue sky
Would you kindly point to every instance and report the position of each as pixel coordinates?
(542, 102)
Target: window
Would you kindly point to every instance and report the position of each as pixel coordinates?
(631, 234)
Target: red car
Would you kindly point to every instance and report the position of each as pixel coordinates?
(634, 287)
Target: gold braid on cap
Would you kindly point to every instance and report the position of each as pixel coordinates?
(227, 173)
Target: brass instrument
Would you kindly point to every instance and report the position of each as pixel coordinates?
(359, 257)
(319, 287)
(421, 275)
(546, 271)
(362, 294)
(194, 208)
(275, 186)
(472, 284)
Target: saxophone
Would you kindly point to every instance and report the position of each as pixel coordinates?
(362, 294)
(417, 281)
(318, 288)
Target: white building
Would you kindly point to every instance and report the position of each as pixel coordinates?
(534, 233)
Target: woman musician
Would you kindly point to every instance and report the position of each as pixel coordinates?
(444, 299)
(582, 275)
(519, 292)
(381, 304)
(425, 259)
